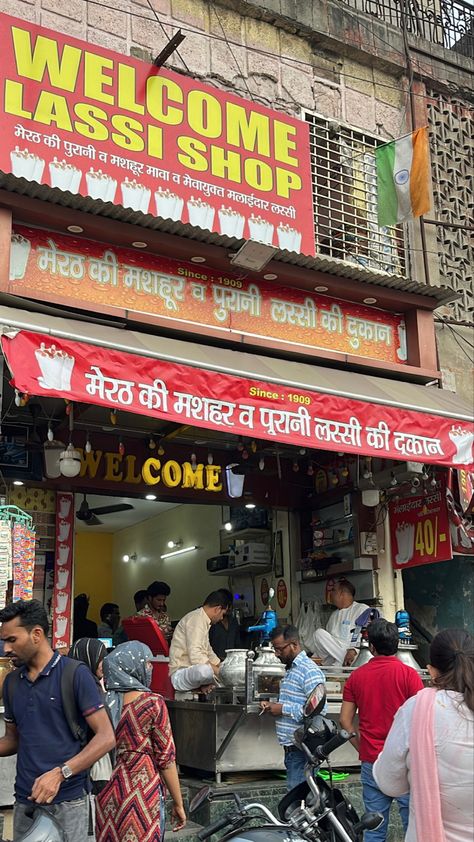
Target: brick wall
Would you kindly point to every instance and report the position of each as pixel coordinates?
(274, 66)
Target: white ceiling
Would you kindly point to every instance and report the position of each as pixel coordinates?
(142, 510)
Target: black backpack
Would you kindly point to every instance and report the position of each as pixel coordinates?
(75, 721)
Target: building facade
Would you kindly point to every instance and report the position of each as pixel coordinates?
(359, 74)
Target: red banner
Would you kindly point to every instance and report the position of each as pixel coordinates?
(419, 529)
(45, 365)
(101, 124)
(63, 570)
(82, 273)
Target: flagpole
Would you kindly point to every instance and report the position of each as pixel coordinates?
(406, 44)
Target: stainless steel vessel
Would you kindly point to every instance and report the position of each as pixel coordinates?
(232, 671)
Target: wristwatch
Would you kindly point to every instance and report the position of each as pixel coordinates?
(66, 772)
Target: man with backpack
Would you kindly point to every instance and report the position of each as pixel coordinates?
(49, 703)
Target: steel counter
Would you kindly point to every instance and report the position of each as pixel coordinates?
(217, 738)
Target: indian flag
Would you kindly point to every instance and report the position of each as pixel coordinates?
(403, 178)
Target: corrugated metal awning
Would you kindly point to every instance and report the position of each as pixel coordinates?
(342, 383)
(320, 263)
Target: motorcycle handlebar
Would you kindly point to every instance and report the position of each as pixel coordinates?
(219, 824)
(338, 740)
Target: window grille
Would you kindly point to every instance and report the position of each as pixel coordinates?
(345, 199)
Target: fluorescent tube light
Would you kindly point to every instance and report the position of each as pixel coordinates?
(179, 552)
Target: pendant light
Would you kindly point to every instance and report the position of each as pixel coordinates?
(70, 459)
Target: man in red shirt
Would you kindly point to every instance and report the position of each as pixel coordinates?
(376, 690)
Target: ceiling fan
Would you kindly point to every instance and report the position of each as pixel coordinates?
(89, 516)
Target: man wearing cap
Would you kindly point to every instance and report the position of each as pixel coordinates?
(156, 607)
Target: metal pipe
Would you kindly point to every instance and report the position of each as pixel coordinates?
(404, 9)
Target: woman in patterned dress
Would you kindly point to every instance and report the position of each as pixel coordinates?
(131, 806)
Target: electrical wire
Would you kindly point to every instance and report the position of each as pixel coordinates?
(458, 343)
(454, 331)
(249, 49)
(242, 75)
(165, 33)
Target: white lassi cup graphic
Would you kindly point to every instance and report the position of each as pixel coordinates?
(61, 602)
(65, 176)
(402, 352)
(63, 576)
(63, 554)
(200, 213)
(61, 626)
(64, 506)
(168, 205)
(100, 186)
(19, 253)
(231, 222)
(64, 530)
(405, 537)
(260, 230)
(26, 165)
(135, 195)
(56, 368)
(463, 440)
(289, 238)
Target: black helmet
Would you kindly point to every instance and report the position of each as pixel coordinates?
(45, 828)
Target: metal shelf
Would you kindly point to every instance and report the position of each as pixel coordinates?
(328, 523)
(320, 547)
(243, 570)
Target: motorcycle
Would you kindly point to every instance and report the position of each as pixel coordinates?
(45, 828)
(313, 811)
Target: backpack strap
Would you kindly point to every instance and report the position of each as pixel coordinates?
(68, 698)
(10, 685)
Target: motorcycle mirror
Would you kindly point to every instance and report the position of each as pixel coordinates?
(369, 821)
(315, 701)
(200, 797)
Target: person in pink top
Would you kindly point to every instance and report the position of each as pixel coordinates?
(429, 751)
(377, 690)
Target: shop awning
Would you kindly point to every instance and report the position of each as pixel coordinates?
(235, 392)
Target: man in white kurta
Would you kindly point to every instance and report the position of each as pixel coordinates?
(335, 644)
(193, 662)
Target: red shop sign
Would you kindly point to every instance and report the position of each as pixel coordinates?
(48, 266)
(63, 567)
(97, 123)
(419, 530)
(44, 365)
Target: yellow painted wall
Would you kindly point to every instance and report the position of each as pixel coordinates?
(93, 560)
(186, 575)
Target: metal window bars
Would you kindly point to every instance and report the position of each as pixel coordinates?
(345, 199)
(449, 23)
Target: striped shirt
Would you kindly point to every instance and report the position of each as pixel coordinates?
(300, 680)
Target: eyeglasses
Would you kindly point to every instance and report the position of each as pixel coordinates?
(280, 649)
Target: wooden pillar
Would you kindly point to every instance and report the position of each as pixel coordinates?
(421, 339)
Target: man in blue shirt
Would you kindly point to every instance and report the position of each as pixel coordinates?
(301, 678)
(51, 764)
